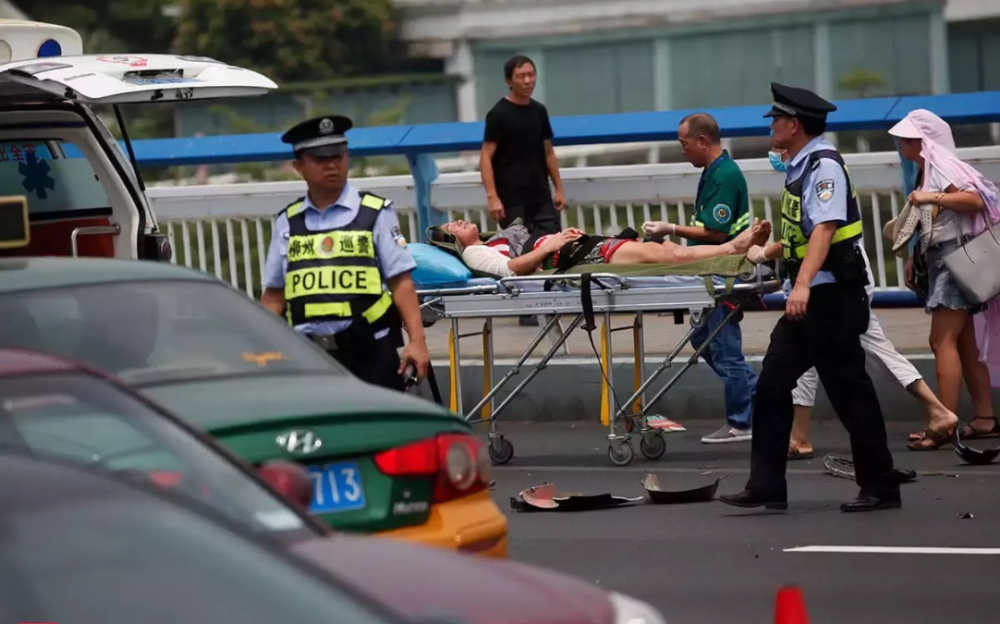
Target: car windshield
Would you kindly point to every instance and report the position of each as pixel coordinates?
(148, 332)
(82, 418)
(78, 549)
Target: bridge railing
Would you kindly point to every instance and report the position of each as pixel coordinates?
(225, 229)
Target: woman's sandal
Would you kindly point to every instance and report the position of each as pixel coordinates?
(937, 439)
(970, 433)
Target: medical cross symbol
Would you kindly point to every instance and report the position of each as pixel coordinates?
(36, 175)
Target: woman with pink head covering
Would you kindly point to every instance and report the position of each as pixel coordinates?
(956, 201)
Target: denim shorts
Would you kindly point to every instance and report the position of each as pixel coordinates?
(943, 291)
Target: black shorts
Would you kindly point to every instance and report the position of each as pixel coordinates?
(540, 216)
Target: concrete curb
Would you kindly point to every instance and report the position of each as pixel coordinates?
(569, 389)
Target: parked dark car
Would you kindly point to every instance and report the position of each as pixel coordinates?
(60, 409)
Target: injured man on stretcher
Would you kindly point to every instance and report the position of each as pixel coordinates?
(515, 250)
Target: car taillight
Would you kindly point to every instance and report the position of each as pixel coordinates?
(458, 462)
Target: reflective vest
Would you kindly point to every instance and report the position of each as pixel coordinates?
(793, 239)
(334, 275)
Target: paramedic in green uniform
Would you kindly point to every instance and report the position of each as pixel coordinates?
(722, 211)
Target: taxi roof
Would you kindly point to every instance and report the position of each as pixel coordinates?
(26, 273)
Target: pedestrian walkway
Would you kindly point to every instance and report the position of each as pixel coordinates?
(907, 328)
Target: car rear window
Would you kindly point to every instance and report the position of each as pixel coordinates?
(147, 332)
(103, 555)
(82, 418)
(54, 175)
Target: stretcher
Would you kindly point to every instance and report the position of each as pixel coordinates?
(695, 289)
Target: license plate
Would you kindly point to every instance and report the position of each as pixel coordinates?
(336, 487)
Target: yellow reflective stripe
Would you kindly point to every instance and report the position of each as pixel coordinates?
(294, 209)
(343, 308)
(348, 244)
(378, 308)
(370, 201)
(332, 280)
(848, 231)
(741, 223)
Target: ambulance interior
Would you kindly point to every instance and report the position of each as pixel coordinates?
(84, 192)
(62, 160)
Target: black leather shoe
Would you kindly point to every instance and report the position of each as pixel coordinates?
(747, 499)
(903, 476)
(873, 501)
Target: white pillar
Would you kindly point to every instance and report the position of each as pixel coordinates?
(462, 62)
(940, 80)
(825, 86)
(662, 79)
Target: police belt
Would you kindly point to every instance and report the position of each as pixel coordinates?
(345, 340)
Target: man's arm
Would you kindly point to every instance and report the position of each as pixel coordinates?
(396, 262)
(486, 168)
(701, 234)
(552, 164)
(273, 279)
(404, 295)
(722, 206)
(819, 247)
(491, 137)
(824, 202)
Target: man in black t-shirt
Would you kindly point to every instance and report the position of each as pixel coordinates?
(517, 156)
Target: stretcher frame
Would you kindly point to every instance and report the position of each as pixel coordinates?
(509, 298)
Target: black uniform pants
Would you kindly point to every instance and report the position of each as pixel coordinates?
(375, 361)
(829, 338)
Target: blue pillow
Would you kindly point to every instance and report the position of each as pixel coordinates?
(437, 268)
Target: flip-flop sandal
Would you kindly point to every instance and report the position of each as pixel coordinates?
(937, 439)
(969, 433)
(795, 453)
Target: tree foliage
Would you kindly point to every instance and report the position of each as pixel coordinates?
(292, 40)
(109, 25)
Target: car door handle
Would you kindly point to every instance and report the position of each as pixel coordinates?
(90, 231)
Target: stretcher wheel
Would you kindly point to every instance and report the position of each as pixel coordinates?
(653, 446)
(624, 458)
(504, 454)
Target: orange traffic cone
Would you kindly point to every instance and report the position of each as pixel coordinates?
(790, 607)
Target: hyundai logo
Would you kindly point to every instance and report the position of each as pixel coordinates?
(299, 441)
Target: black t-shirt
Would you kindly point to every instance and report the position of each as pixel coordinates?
(519, 168)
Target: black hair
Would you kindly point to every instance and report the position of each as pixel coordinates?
(812, 126)
(703, 124)
(516, 61)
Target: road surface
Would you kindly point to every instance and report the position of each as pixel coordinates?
(708, 563)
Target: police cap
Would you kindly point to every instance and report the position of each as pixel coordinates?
(322, 137)
(796, 102)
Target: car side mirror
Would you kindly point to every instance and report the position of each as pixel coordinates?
(290, 480)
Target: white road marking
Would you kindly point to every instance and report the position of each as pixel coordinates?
(896, 550)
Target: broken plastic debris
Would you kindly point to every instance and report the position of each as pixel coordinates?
(973, 456)
(546, 497)
(659, 496)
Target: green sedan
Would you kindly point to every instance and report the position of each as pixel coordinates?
(381, 461)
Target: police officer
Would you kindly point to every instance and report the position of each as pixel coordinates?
(338, 267)
(825, 315)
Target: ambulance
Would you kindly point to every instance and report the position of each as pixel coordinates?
(80, 187)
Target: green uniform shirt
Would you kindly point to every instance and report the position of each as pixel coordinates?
(723, 203)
